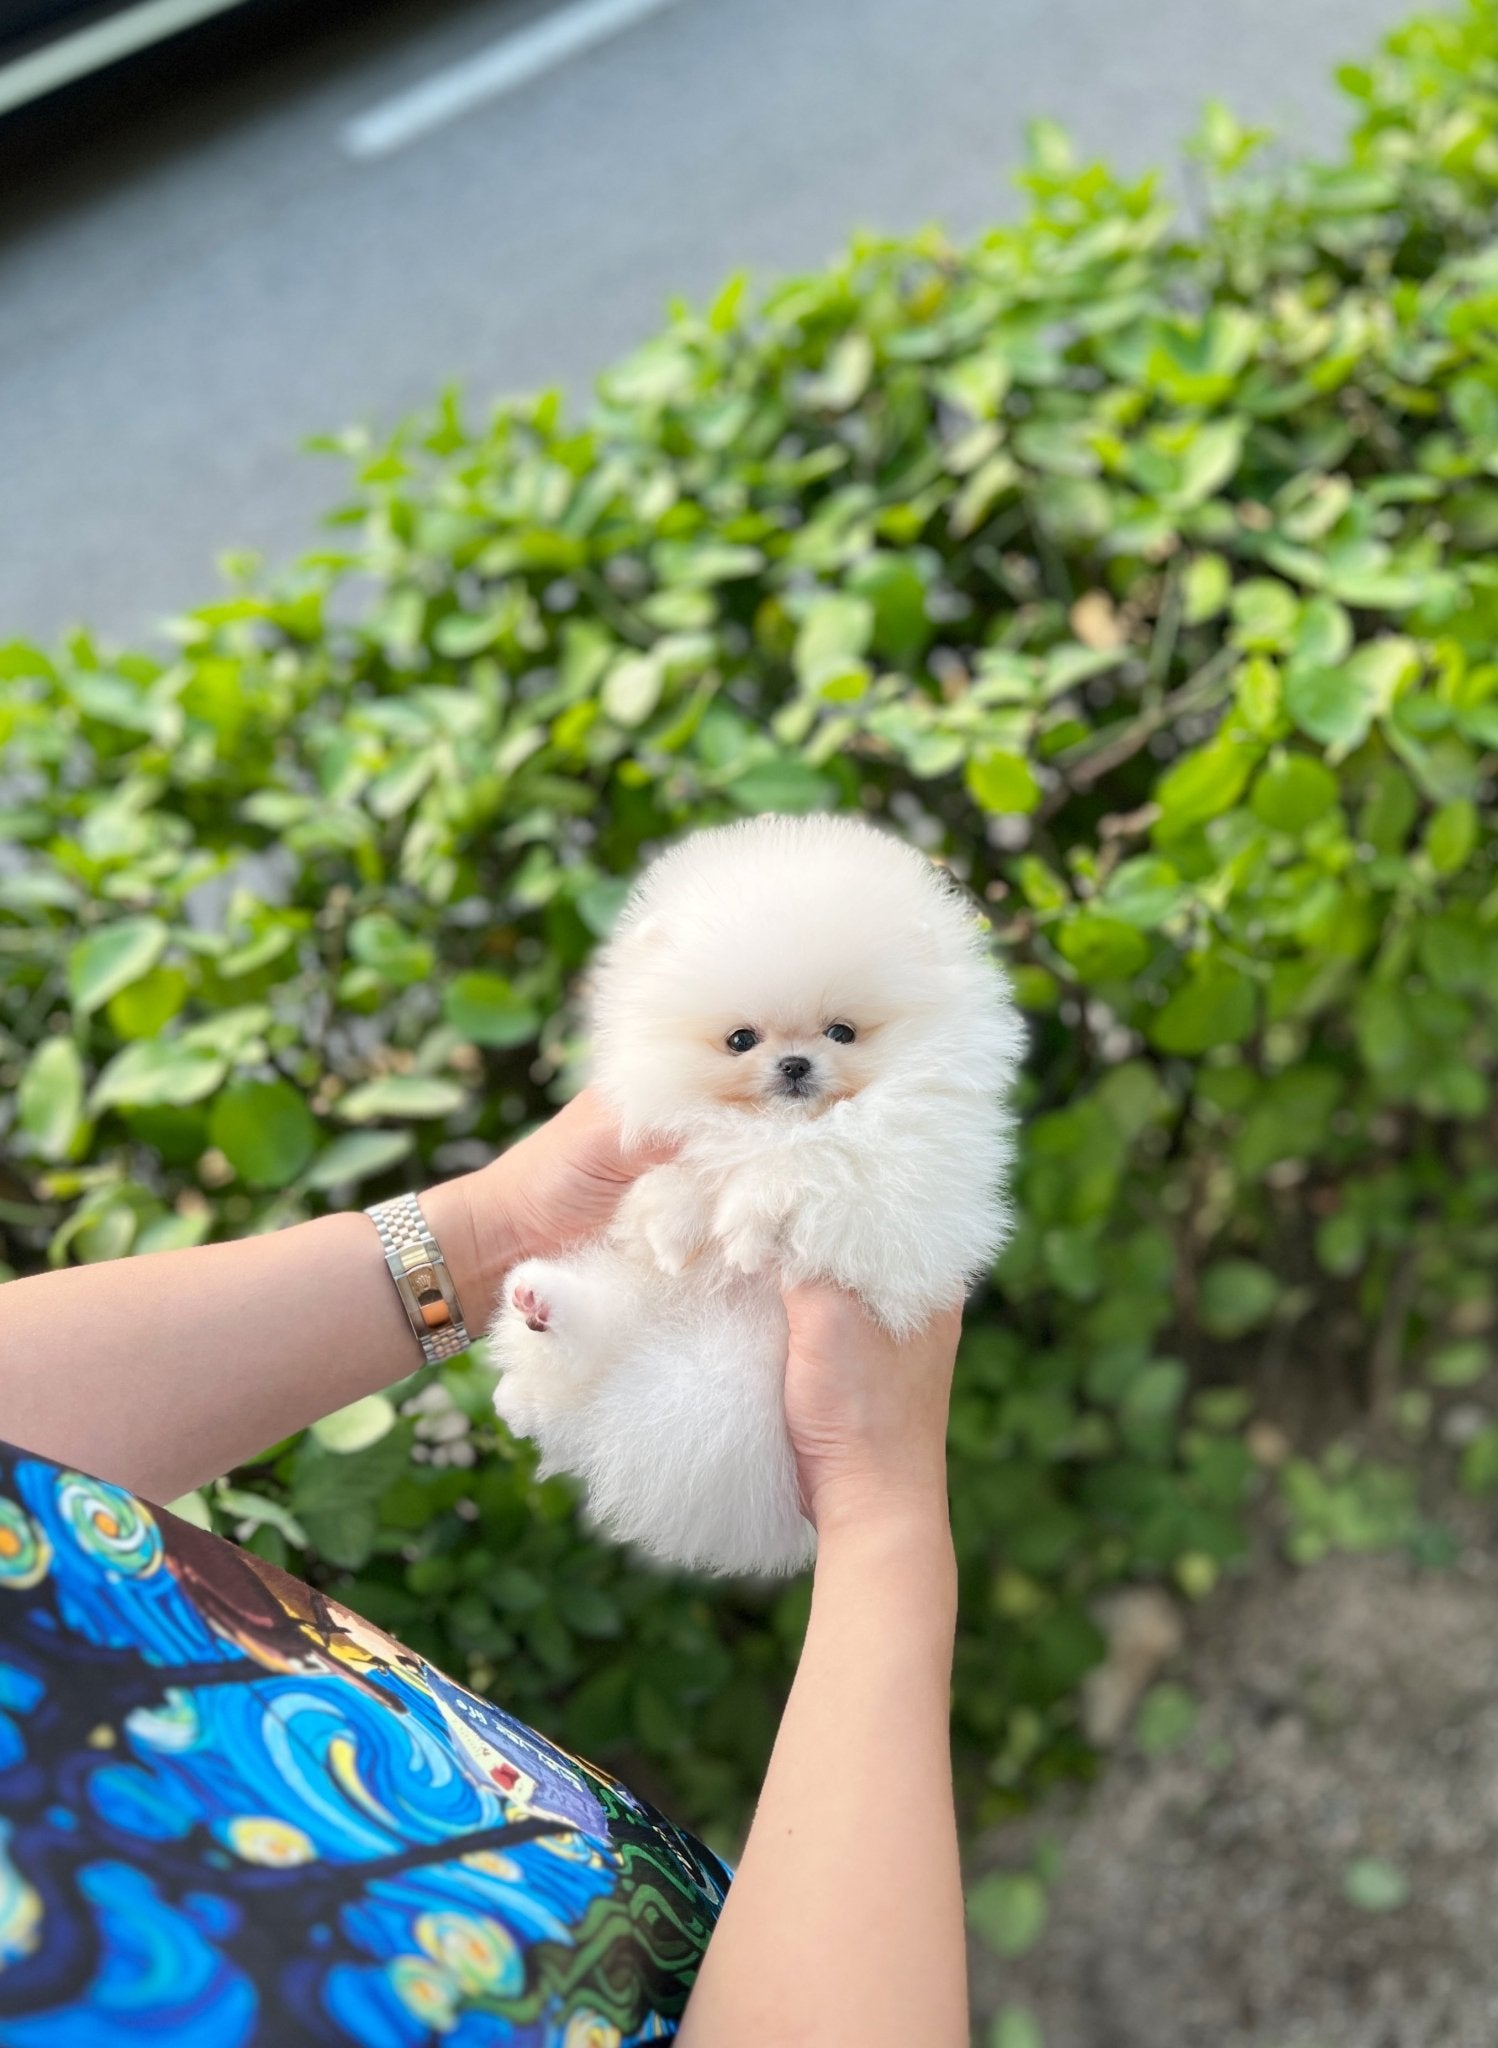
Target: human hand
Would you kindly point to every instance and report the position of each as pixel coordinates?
(560, 1184)
(867, 1413)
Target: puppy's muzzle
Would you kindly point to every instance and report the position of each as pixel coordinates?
(796, 1078)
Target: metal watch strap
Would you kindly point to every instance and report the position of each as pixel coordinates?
(421, 1277)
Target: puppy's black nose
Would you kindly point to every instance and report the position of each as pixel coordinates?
(794, 1067)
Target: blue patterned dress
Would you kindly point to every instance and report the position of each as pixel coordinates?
(232, 1812)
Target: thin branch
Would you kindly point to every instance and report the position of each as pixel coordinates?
(1094, 757)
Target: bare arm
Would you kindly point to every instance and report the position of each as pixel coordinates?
(844, 1922)
(164, 1371)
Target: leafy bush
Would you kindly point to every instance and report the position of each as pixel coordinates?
(1145, 576)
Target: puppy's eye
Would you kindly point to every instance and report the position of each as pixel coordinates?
(840, 1034)
(742, 1040)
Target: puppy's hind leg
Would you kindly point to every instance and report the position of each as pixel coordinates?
(566, 1300)
(533, 1306)
(556, 1334)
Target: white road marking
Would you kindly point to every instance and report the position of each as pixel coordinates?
(90, 49)
(513, 61)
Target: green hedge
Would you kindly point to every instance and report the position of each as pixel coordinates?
(1146, 576)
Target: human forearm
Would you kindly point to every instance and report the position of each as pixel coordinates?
(845, 1919)
(163, 1371)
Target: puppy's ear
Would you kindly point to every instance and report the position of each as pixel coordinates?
(647, 930)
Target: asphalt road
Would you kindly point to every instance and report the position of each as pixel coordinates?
(195, 273)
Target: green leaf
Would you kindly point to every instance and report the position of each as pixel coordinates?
(1205, 588)
(1044, 889)
(1459, 1365)
(1195, 364)
(1048, 149)
(191, 1507)
(111, 958)
(1015, 2027)
(401, 1095)
(591, 1612)
(784, 785)
(1215, 1006)
(896, 587)
(50, 1098)
(1008, 1910)
(155, 1071)
(1167, 1714)
(173, 1232)
(1144, 891)
(265, 1131)
(485, 1009)
(1480, 1462)
(632, 688)
(1101, 948)
(344, 1533)
(1375, 1886)
(379, 942)
(356, 1156)
(147, 1005)
(233, 1033)
(699, 564)
(1338, 705)
(462, 635)
(833, 636)
(1202, 785)
(1341, 1244)
(357, 1426)
(598, 905)
(1451, 836)
(1153, 1397)
(1264, 613)
(1236, 1296)
(259, 1513)
(1323, 634)
(1333, 705)
(1292, 792)
(1210, 458)
(1002, 783)
(844, 377)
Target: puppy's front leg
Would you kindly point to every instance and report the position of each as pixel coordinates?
(664, 1210)
(748, 1219)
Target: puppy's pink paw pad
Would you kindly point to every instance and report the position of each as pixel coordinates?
(537, 1312)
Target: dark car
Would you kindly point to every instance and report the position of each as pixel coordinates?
(46, 43)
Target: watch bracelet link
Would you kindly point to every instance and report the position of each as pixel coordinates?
(421, 1277)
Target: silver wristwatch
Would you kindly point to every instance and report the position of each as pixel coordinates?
(421, 1277)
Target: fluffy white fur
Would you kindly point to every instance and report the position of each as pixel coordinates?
(657, 1375)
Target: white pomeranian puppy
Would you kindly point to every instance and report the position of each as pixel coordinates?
(810, 1008)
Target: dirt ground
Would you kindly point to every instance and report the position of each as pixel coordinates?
(1348, 1715)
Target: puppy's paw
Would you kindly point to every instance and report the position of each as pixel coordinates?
(664, 1210)
(746, 1232)
(534, 1292)
(533, 1307)
(670, 1250)
(750, 1249)
(551, 1340)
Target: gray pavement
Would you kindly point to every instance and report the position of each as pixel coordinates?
(182, 301)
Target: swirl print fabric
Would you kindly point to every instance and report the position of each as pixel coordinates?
(232, 1812)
